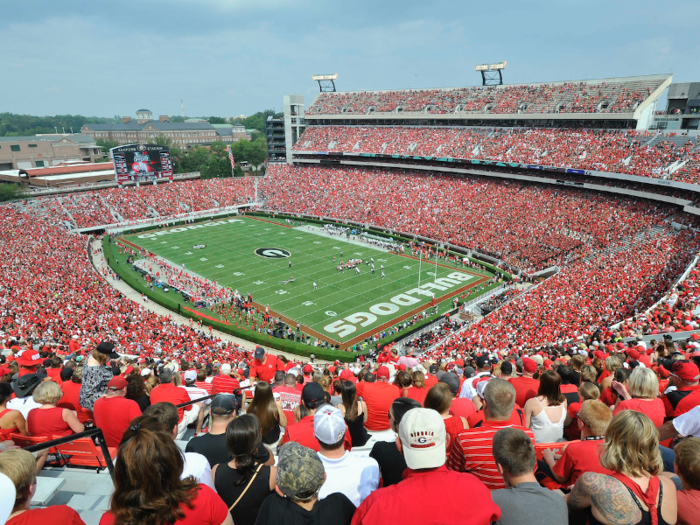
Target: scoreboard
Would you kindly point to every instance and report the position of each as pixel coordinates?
(141, 163)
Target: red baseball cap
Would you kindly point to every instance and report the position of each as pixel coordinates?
(308, 369)
(661, 370)
(633, 354)
(402, 367)
(686, 371)
(117, 383)
(347, 374)
(529, 366)
(29, 358)
(383, 371)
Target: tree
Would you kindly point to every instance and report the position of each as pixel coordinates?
(218, 149)
(12, 124)
(217, 120)
(107, 145)
(10, 192)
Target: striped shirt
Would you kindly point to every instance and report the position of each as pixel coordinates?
(224, 385)
(472, 452)
(204, 386)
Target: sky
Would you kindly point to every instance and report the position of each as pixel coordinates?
(233, 57)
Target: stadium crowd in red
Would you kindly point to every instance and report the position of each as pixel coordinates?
(628, 152)
(567, 97)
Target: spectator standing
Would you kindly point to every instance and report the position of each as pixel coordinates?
(149, 468)
(167, 392)
(354, 475)
(290, 396)
(526, 386)
(300, 476)
(391, 462)
(224, 382)
(687, 467)
(634, 492)
(354, 412)
(268, 411)
(523, 501)
(265, 366)
(545, 413)
(302, 432)
(472, 450)
(408, 360)
(49, 419)
(114, 412)
(96, 374)
(378, 397)
(442, 492)
(584, 456)
(642, 395)
(244, 483)
(20, 467)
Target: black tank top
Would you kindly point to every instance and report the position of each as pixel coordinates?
(646, 515)
(246, 511)
(358, 433)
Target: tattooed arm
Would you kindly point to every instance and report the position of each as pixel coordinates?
(608, 499)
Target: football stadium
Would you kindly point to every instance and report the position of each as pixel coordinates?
(482, 294)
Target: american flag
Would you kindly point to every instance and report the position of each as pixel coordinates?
(230, 157)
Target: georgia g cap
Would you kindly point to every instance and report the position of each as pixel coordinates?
(422, 433)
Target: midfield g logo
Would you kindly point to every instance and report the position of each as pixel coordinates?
(273, 253)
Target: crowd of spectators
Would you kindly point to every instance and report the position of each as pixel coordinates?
(625, 151)
(566, 97)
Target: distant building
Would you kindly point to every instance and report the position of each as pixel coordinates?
(144, 115)
(70, 174)
(294, 123)
(46, 150)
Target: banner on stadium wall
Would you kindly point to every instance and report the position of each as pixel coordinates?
(141, 163)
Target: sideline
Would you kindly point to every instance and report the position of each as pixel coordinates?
(106, 273)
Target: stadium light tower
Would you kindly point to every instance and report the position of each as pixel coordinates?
(326, 83)
(491, 73)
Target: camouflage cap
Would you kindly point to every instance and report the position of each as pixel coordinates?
(300, 473)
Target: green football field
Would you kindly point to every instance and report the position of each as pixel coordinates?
(253, 255)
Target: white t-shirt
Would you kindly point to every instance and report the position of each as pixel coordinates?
(354, 475)
(23, 404)
(197, 465)
(196, 393)
(687, 424)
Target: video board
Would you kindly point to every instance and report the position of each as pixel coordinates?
(141, 163)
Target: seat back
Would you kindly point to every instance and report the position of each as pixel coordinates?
(84, 453)
(557, 447)
(28, 441)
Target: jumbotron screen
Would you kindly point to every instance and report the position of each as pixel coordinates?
(141, 162)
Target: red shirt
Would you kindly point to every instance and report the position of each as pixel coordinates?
(688, 505)
(47, 422)
(113, 415)
(71, 392)
(572, 431)
(472, 452)
(208, 509)
(654, 408)
(54, 514)
(430, 381)
(224, 385)
(303, 433)
(608, 396)
(54, 374)
(417, 394)
(290, 399)
(207, 387)
(266, 371)
(379, 396)
(442, 495)
(682, 400)
(525, 388)
(578, 458)
(169, 393)
(517, 417)
(461, 406)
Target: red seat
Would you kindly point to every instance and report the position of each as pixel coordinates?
(557, 447)
(28, 441)
(84, 453)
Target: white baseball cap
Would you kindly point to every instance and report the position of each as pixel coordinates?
(190, 375)
(329, 425)
(7, 487)
(422, 433)
(146, 372)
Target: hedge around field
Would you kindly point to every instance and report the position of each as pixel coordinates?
(170, 301)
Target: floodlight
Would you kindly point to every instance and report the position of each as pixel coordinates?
(498, 66)
(334, 76)
(481, 67)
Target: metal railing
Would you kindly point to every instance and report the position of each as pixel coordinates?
(94, 433)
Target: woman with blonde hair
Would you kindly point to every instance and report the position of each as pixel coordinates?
(49, 419)
(417, 390)
(642, 395)
(634, 493)
(587, 391)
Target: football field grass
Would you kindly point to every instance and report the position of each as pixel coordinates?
(253, 255)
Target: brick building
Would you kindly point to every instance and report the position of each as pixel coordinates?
(46, 150)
